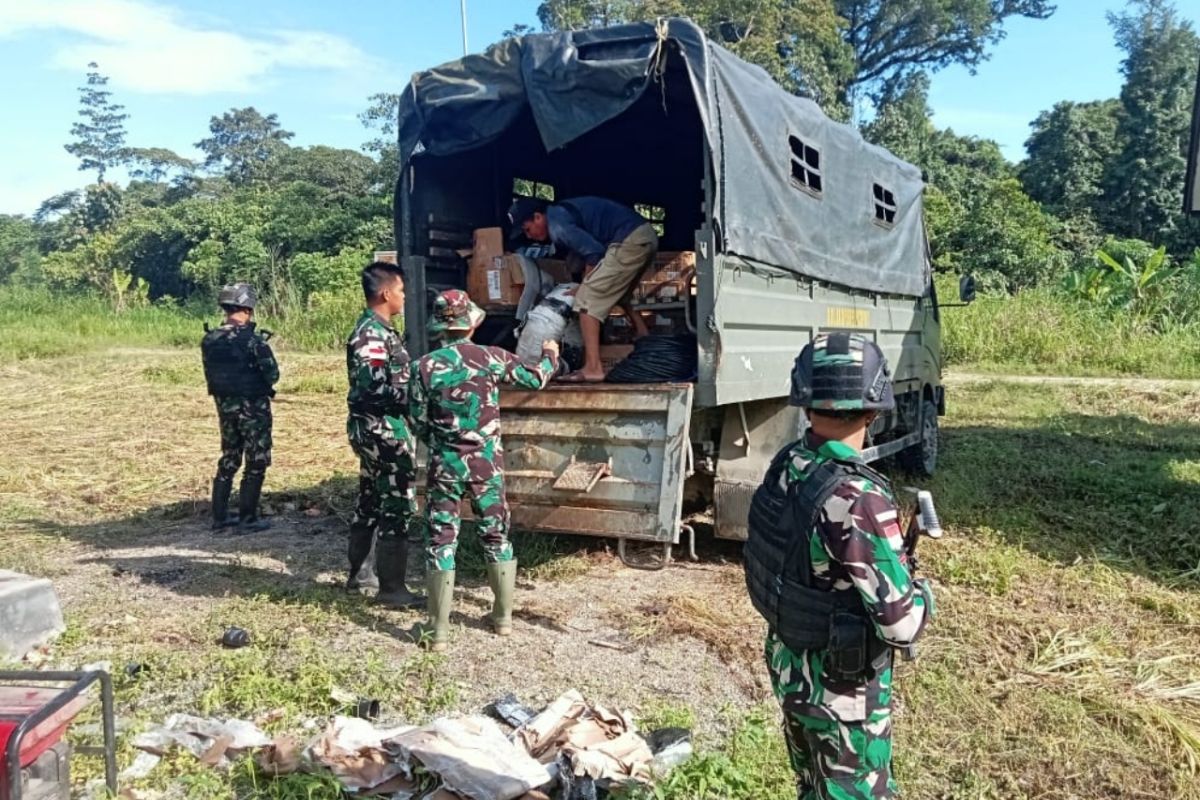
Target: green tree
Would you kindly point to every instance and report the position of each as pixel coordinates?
(381, 117)
(829, 49)
(156, 163)
(1145, 183)
(18, 247)
(1069, 150)
(566, 15)
(997, 234)
(339, 172)
(100, 135)
(242, 144)
(979, 219)
(894, 38)
(68, 219)
(798, 42)
(901, 122)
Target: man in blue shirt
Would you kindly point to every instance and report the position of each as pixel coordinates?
(617, 245)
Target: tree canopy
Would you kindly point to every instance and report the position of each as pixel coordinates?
(100, 133)
(301, 221)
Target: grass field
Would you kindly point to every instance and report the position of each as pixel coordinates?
(1035, 333)
(1064, 661)
(1040, 333)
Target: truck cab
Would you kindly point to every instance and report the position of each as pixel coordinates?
(796, 226)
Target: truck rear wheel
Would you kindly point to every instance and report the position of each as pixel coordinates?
(921, 458)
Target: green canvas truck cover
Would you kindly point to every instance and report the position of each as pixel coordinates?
(769, 147)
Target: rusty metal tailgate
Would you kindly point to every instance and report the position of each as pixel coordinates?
(634, 436)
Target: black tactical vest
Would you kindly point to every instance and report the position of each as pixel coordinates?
(779, 572)
(230, 367)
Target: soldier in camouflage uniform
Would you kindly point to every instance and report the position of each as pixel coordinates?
(455, 409)
(836, 697)
(240, 371)
(377, 368)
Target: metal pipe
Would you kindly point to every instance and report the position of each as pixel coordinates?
(691, 540)
(108, 719)
(463, 7)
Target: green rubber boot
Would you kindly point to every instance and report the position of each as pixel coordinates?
(439, 590)
(502, 577)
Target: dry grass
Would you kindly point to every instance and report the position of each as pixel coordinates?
(1064, 663)
(719, 615)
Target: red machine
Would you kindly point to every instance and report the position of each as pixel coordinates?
(36, 708)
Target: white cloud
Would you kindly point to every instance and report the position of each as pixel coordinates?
(152, 48)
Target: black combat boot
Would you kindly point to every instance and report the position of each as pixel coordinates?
(391, 560)
(221, 487)
(248, 503)
(362, 559)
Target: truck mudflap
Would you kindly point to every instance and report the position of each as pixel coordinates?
(598, 460)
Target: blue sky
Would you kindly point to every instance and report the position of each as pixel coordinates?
(176, 63)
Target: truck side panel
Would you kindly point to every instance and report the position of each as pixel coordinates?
(762, 316)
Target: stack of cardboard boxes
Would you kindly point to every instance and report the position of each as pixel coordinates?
(495, 279)
(668, 280)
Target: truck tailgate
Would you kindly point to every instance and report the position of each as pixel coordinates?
(640, 430)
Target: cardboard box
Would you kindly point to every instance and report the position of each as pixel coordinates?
(495, 279)
(486, 244)
(613, 354)
(484, 287)
(668, 280)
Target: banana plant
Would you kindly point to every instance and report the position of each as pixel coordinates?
(1135, 282)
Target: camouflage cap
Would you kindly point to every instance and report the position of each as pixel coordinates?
(241, 295)
(842, 372)
(453, 310)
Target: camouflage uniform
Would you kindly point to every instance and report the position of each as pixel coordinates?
(245, 421)
(839, 732)
(377, 367)
(455, 409)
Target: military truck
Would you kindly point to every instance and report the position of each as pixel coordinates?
(798, 226)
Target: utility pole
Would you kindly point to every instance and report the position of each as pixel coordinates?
(463, 6)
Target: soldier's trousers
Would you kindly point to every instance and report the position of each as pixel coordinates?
(386, 490)
(835, 760)
(484, 489)
(245, 432)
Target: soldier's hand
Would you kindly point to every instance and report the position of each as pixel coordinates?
(550, 346)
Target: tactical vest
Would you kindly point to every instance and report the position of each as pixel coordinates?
(779, 574)
(230, 366)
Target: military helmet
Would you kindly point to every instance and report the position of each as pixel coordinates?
(842, 372)
(453, 310)
(241, 295)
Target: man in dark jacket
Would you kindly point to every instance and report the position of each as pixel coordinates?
(617, 245)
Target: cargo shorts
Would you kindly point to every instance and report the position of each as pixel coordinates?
(614, 277)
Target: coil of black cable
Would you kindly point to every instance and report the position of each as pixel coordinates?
(658, 359)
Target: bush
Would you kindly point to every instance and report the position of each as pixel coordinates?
(1043, 331)
(1133, 278)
